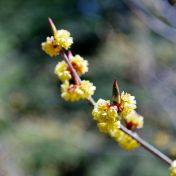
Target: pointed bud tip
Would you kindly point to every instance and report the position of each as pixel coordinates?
(50, 21)
(116, 92)
(52, 25)
(115, 82)
(70, 53)
(115, 85)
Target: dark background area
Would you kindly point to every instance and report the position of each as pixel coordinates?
(133, 41)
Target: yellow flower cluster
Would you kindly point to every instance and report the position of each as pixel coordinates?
(134, 120)
(62, 71)
(104, 112)
(74, 92)
(124, 140)
(61, 40)
(109, 120)
(128, 104)
(105, 127)
(173, 169)
(106, 115)
(53, 45)
(50, 47)
(79, 64)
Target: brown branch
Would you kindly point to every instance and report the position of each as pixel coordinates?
(146, 145)
(135, 136)
(73, 71)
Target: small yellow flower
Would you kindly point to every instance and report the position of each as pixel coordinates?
(79, 64)
(104, 112)
(88, 89)
(134, 120)
(61, 40)
(173, 169)
(63, 71)
(124, 140)
(107, 127)
(72, 92)
(128, 103)
(50, 47)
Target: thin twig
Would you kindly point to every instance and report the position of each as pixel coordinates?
(147, 146)
(73, 72)
(135, 136)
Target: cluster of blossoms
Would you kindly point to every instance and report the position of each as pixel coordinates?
(109, 116)
(71, 88)
(128, 103)
(173, 169)
(106, 114)
(63, 71)
(60, 40)
(75, 92)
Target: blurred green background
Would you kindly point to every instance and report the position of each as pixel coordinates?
(133, 41)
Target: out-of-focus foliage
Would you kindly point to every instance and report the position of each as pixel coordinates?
(131, 41)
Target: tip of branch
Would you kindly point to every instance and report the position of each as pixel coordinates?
(50, 21)
(70, 54)
(115, 84)
(116, 93)
(115, 88)
(52, 25)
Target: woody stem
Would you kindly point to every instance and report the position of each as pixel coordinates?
(135, 136)
(73, 71)
(147, 146)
